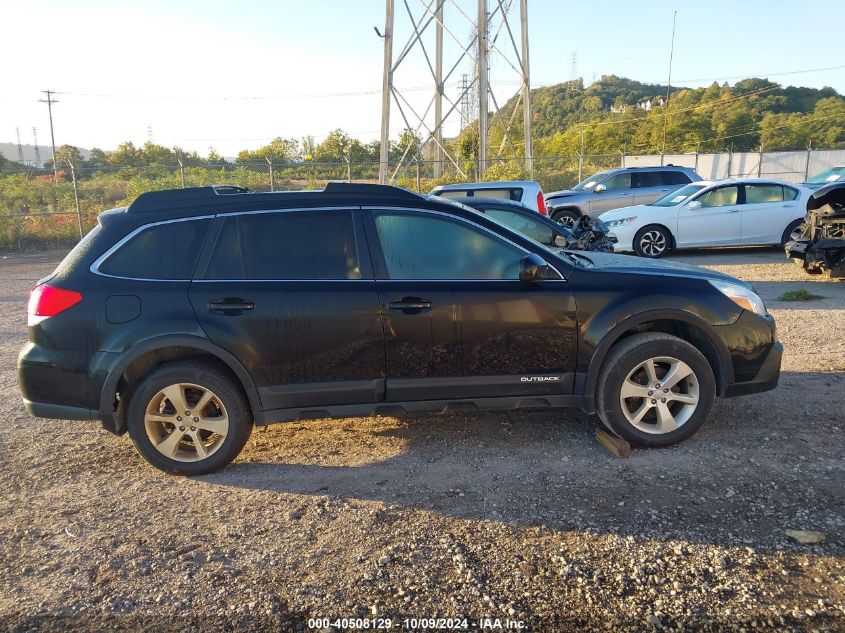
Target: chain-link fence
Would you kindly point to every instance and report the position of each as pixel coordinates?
(40, 211)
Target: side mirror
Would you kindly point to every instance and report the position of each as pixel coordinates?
(600, 188)
(532, 268)
(695, 204)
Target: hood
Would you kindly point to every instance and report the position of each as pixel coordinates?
(834, 192)
(631, 264)
(563, 193)
(621, 212)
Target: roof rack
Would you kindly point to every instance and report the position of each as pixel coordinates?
(156, 200)
(200, 197)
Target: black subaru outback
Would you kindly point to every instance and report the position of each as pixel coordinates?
(193, 314)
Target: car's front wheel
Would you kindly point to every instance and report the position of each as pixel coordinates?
(792, 232)
(188, 418)
(652, 241)
(566, 217)
(655, 389)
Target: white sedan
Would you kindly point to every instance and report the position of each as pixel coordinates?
(736, 212)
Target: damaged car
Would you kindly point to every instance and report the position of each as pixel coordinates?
(818, 246)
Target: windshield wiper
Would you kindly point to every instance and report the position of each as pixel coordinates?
(576, 258)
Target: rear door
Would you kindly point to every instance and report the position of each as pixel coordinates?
(648, 186)
(291, 294)
(715, 223)
(768, 208)
(458, 322)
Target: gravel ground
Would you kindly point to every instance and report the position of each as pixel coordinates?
(519, 515)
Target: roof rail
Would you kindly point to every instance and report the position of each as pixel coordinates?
(156, 200)
(354, 188)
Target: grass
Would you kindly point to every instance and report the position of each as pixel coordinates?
(798, 295)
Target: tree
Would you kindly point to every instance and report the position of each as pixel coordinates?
(67, 154)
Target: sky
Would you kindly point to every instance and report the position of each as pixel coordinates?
(233, 75)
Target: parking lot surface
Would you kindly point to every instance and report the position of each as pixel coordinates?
(518, 515)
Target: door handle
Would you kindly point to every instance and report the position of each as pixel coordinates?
(732, 211)
(410, 305)
(230, 305)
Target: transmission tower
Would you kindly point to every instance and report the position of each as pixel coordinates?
(38, 162)
(573, 75)
(486, 42)
(20, 147)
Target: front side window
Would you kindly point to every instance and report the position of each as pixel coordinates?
(423, 247)
(758, 194)
(618, 182)
(294, 245)
(721, 197)
(166, 251)
(535, 229)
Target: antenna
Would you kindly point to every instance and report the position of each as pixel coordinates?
(20, 147)
(38, 162)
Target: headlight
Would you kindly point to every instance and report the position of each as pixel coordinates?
(620, 221)
(740, 295)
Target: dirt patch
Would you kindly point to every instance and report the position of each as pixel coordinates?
(518, 515)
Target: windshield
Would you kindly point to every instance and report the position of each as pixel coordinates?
(677, 196)
(828, 175)
(590, 182)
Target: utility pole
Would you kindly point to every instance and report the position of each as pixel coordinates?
(668, 88)
(50, 101)
(181, 170)
(270, 164)
(386, 90)
(37, 151)
(76, 198)
(438, 96)
(526, 89)
(483, 88)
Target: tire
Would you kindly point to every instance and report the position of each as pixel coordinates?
(652, 241)
(209, 439)
(787, 232)
(660, 424)
(566, 217)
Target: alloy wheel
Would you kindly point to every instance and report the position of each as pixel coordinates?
(653, 243)
(186, 422)
(659, 395)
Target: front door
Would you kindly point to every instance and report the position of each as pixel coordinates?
(291, 295)
(458, 322)
(715, 223)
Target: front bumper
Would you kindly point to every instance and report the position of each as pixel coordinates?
(766, 378)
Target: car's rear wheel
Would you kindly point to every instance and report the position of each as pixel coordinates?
(652, 241)
(655, 389)
(188, 418)
(792, 227)
(566, 217)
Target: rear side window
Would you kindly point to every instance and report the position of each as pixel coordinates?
(165, 251)
(674, 178)
(307, 245)
(756, 194)
(647, 179)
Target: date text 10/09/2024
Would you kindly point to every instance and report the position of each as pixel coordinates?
(417, 624)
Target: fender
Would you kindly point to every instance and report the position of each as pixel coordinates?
(586, 383)
(116, 369)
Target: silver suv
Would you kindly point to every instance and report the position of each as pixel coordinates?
(617, 188)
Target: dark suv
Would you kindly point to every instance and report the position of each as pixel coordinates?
(192, 314)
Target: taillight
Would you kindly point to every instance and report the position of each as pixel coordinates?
(47, 301)
(541, 204)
